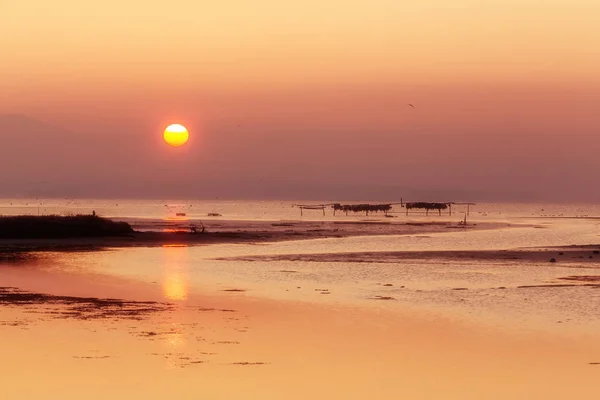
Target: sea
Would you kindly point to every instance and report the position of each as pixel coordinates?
(140, 211)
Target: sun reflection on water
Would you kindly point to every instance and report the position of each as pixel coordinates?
(175, 286)
(175, 278)
(175, 339)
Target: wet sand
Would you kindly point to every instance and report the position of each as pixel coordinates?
(236, 346)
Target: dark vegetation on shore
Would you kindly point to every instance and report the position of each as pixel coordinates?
(56, 226)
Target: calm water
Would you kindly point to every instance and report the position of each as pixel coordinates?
(266, 210)
(183, 271)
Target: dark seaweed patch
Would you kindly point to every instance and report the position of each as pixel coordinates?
(84, 308)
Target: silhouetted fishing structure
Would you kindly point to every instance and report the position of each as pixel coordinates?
(426, 206)
(422, 205)
(366, 208)
(385, 208)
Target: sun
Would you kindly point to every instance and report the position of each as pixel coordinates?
(176, 135)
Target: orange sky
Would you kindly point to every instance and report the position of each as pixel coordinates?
(249, 71)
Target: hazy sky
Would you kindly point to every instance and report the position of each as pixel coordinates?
(302, 99)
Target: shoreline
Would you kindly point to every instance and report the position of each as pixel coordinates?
(254, 233)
